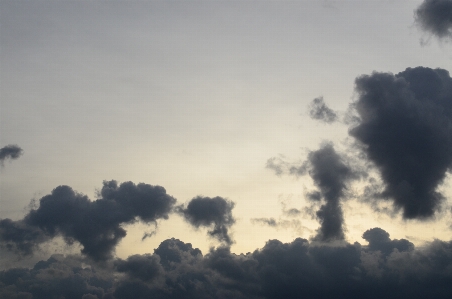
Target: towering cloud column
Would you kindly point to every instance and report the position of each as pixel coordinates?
(405, 125)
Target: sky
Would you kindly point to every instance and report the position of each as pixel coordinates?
(225, 149)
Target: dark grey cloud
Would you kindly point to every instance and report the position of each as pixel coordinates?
(57, 277)
(96, 225)
(215, 213)
(143, 267)
(10, 151)
(435, 17)
(19, 237)
(174, 251)
(385, 268)
(379, 241)
(330, 174)
(405, 128)
(292, 212)
(320, 111)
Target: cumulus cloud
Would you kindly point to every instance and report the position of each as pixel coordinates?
(406, 128)
(215, 213)
(10, 151)
(379, 241)
(298, 269)
(435, 17)
(57, 277)
(320, 111)
(96, 225)
(330, 174)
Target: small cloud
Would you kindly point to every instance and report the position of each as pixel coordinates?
(320, 111)
(210, 212)
(10, 151)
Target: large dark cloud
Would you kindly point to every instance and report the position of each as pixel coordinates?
(435, 16)
(96, 225)
(320, 111)
(385, 268)
(10, 151)
(405, 127)
(210, 212)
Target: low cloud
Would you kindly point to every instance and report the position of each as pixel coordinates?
(96, 225)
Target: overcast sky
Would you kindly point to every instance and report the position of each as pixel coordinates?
(223, 124)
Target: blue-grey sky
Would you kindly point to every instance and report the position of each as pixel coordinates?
(196, 97)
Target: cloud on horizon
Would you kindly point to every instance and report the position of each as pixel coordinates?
(297, 269)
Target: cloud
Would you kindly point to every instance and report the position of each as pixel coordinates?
(379, 241)
(280, 166)
(405, 128)
(57, 277)
(330, 174)
(210, 212)
(10, 151)
(294, 224)
(174, 251)
(143, 267)
(297, 269)
(19, 237)
(267, 221)
(435, 17)
(96, 225)
(320, 111)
